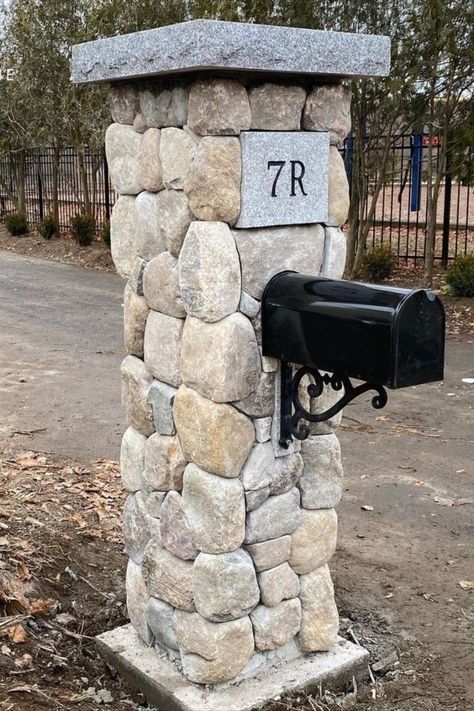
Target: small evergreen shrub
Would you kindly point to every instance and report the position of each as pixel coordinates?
(16, 223)
(378, 263)
(48, 227)
(460, 276)
(105, 233)
(83, 229)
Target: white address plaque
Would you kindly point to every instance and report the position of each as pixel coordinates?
(284, 178)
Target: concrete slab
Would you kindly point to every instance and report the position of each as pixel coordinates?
(237, 47)
(164, 686)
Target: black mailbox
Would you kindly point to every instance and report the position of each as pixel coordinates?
(378, 334)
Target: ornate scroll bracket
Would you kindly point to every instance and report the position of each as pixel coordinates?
(292, 410)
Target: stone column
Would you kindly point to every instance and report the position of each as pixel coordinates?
(228, 535)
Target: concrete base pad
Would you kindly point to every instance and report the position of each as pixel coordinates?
(164, 686)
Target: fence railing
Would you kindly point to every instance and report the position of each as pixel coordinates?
(81, 182)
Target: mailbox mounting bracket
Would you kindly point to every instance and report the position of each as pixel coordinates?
(292, 409)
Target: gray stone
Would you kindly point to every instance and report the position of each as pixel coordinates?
(276, 107)
(259, 468)
(278, 584)
(122, 235)
(149, 239)
(215, 510)
(132, 459)
(314, 541)
(328, 108)
(214, 436)
(260, 402)
(321, 481)
(218, 107)
(139, 124)
(136, 381)
(275, 626)
(263, 429)
(161, 398)
(255, 498)
(265, 252)
(212, 652)
(136, 276)
(212, 184)
(122, 145)
(161, 286)
(220, 360)
(286, 473)
(269, 554)
(137, 597)
(176, 154)
(163, 347)
(135, 314)
(123, 102)
(164, 685)
(168, 577)
(202, 45)
(269, 365)
(164, 107)
(159, 617)
(136, 527)
(175, 532)
(335, 249)
(209, 271)
(248, 305)
(154, 502)
(174, 218)
(164, 463)
(319, 619)
(339, 199)
(225, 586)
(277, 516)
(150, 172)
(291, 191)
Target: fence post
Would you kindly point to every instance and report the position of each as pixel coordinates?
(416, 165)
(447, 210)
(40, 190)
(106, 187)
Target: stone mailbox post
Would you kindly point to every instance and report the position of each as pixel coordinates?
(224, 155)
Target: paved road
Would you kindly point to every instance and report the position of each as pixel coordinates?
(61, 347)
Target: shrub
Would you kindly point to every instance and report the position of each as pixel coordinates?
(105, 233)
(16, 223)
(460, 276)
(48, 227)
(83, 228)
(378, 263)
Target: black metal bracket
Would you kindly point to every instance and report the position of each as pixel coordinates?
(292, 409)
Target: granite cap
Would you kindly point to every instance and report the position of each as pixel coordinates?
(230, 48)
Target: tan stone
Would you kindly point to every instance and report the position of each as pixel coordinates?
(260, 402)
(220, 360)
(161, 286)
(225, 586)
(276, 107)
(175, 532)
(174, 218)
(176, 154)
(214, 436)
(269, 554)
(314, 541)
(339, 199)
(122, 144)
(328, 108)
(132, 459)
(277, 516)
(209, 271)
(218, 107)
(164, 107)
(122, 235)
(164, 463)
(163, 347)
(150, 172)
(168, 577)
(136, 526)
(275, 626)
(215, 510)
(321, 481)
(212, 183)
(213, 652)
(149, 240)
(278, 584)
(135, 314)
(136, 381)
(320, 619)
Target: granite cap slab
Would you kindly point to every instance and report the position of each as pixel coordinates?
(230, 47)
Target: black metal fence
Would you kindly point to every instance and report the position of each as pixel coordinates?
(400, 217)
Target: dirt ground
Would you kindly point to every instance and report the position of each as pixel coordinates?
(403, 571)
